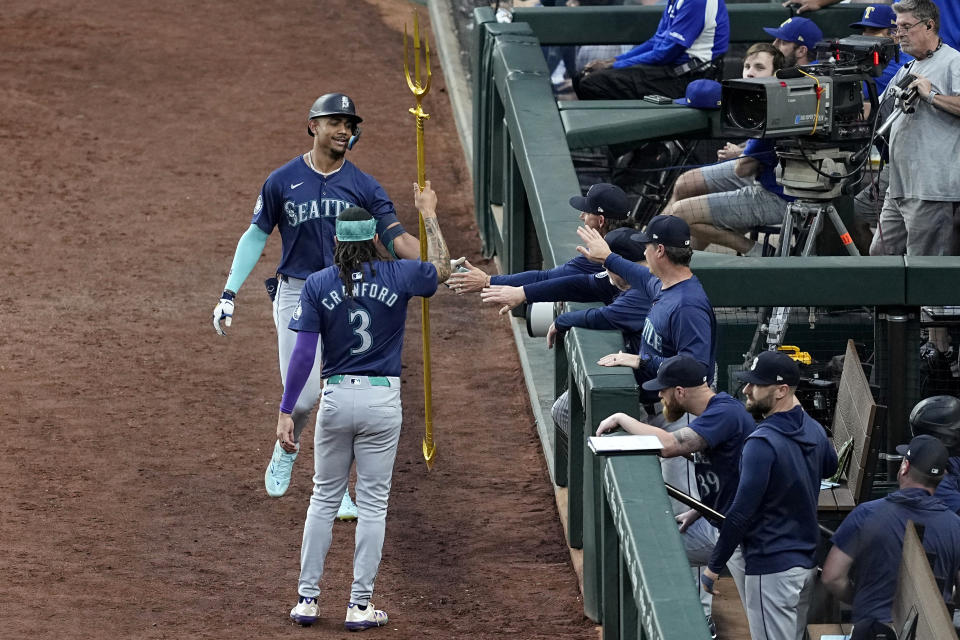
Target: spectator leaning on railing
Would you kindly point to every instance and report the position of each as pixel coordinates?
(689, 44)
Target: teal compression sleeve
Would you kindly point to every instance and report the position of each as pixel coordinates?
(248, 252)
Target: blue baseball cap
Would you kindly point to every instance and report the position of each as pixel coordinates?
(926, 454)
(622, 242)
(877, 16)
(678, 371)
(603, 198)
(669, 231)
(771, 367)
(702, 94)
(799, 30)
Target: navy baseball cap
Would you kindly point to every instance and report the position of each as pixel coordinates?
(772, 367)
(669, 231)
(800, 30)
(702, 94)
(603, 198)
(926, 454)
(622, 243)
(877, 16)
(678, 371)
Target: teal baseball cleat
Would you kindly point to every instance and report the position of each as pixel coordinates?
(277, 477)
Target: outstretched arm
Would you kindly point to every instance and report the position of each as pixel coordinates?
(437, 252)
(245, 258)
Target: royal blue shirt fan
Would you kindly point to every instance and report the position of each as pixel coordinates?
(697, 29)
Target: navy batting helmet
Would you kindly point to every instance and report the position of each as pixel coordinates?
(938, 416)
(334, 104)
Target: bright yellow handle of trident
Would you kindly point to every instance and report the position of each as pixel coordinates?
(419, 90)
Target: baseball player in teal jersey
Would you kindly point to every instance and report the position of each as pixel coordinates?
(358, 307)
(302, 200)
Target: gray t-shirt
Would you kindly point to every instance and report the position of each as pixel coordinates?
(925, 145)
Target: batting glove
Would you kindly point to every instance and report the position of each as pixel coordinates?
(223, 311)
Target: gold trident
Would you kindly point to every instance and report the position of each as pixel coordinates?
(419, 90)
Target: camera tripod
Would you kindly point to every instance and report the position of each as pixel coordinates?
(815, 177)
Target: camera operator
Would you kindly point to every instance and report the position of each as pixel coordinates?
(922, 199)
(949, 15)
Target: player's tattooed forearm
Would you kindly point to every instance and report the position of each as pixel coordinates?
(689, 440)
(440, 256)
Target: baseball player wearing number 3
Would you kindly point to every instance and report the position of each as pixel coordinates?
(358, 307)
(302, 199)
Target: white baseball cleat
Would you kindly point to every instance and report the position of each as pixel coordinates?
(358, 620)
(306, 612)
(277, 477)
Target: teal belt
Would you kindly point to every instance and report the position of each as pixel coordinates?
(375, 381)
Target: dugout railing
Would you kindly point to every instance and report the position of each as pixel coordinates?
(523, 177)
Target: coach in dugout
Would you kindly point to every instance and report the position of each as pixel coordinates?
(862, 566)
(774, 513)
(689, 44)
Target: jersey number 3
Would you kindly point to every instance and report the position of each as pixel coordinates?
(361, 319)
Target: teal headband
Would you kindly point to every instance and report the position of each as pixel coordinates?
(356, 230)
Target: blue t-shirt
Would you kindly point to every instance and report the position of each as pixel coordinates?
(764, 152)
(681, 321)
(688, 29)
(363, 335)
(725, 424)
(873, 536)
(304, 205)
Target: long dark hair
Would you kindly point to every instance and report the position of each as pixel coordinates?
(350, 256)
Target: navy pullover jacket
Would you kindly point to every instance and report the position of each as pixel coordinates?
(774, 514)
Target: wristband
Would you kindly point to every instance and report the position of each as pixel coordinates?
(707, 582)
(930, 96)
(227, 295)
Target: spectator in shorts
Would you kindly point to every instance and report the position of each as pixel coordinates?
(762, 60)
